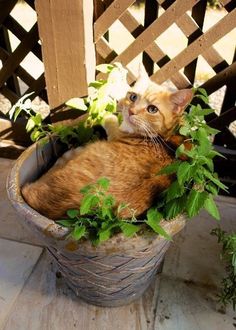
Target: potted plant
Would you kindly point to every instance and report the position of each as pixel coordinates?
(107, 260)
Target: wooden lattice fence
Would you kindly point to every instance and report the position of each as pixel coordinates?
(11, 60)
(58, 26)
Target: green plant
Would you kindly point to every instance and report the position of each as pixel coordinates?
(98, 218)
(228, 241)
(102, 99)
(196, 182)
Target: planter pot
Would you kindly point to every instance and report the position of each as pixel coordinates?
(112, 274)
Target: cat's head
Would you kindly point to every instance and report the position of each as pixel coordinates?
(149, 110)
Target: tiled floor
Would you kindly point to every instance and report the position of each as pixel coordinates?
(184, 297)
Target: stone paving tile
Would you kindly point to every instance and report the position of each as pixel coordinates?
(192, 274)
(10, 225)
(46, 303)
(16, 263)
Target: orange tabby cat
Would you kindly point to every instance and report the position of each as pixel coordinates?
(134, 153)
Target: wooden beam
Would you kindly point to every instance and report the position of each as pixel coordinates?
(113, 12)
(66, 33)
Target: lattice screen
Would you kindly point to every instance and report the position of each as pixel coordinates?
(15, 79)
(160, 15)
(145, 35)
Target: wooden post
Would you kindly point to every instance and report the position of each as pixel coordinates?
(66, 33)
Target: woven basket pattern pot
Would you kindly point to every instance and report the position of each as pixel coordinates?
(112, 274)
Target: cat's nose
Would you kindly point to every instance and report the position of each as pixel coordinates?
(131, 112)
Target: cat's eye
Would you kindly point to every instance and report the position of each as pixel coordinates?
(133, 97)
(152, 108)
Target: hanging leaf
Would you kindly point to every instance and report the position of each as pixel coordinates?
(175, 207)
(154, 216)
(215, 180)
(157, 228)
(183, 172)
(195, 202)
(77, 103)
(211, 207)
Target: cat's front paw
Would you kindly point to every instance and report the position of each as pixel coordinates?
(110, 120)
(111, 126)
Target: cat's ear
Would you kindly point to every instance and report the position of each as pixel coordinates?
(181, 99)
(143, 80)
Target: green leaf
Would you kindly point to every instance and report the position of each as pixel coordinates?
(211, 207)
(205, 112)
(195, 202)
(97, 84)
(180, 151)
(78, 232)
(30, 124)
(202, 91)
(183, 172)
(158, 229)
(107, 212)
(153, 219)
(129, 229)
(86, 189)
(212, 131)
(212, 188)
(36, 134)
(16, 113)
(109, 201)
(154, 216)
(106, 233)
(105, 68)
(104, 183)
(121, 207)
(77, 103)
(37, 119)
(84, 134)
(65, 223)
(205, 145)
(72, 213)
(174, 191)
(184, 130)
(209, 163)
(169, 169)
(87, 203)
(204, 98)
(215, 180)
(214, 153)
(175, 207)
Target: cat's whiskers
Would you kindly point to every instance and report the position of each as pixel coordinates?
(145, 128)
(157, 136)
